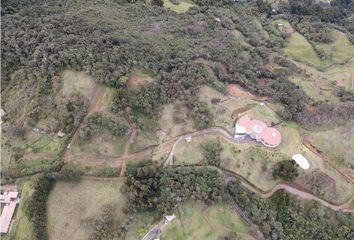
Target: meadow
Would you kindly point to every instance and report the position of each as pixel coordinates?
(73, 206)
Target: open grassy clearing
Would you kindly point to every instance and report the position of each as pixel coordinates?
(138, 77)
(182, 7)
(337, 144)
(324, 180)
(22, 228)
(72, 206)
(300, 49)
(188, 153)
(223, 111)
(342, 74)
(142, 140)
(101, 151)
(142, 223)
(321, 85)
(341, 49)
(194, 221)
(174, 122)
(74, 82)
(317, 88)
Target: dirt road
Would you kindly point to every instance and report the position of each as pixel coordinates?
(126, 145)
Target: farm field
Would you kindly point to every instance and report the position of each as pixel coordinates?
(73, 206)
(182, 7)
(195, 221)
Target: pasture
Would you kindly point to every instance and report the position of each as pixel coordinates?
(299, 49)
(174, 121)
(338, 147)
(195, 221)
(77, 82)
(340, 50)
(73, 206)
(182, 7)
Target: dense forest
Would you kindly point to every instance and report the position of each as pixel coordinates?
(40, 40)
(106, 39)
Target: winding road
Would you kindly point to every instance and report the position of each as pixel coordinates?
(291, 188)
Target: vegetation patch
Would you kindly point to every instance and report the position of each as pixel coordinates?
(178, 6)
(137, 78)
(301, 50)
(77, 82)
(73, 207)
(340, 50)
(195, 221)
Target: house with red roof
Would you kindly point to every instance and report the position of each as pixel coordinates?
(257, 130)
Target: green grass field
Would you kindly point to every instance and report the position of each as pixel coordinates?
(183, 7)
(341, 49)
(71, 206)
(299, 49)
(77, 82)
(194, 221)
(339, 146)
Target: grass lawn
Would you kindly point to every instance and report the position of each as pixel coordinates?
(299, 49)
(71, 206)
(194, 221)
(22, 228)
(180, 8)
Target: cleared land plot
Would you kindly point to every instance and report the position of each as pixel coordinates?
(102, 150)
(324, 180)
(300, 49)
(138, 77)
(337, 144)
(174, 122)
(74, 82)
(194, 221)
(341, 49)
(182, 7)
(224, 110)
(71, 206)
(188, 153)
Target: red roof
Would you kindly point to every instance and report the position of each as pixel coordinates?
(259, 130)
(271, 136)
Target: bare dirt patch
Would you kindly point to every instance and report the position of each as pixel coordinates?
(138, 78)
(237, 91)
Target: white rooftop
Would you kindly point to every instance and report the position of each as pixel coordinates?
(301, 160)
